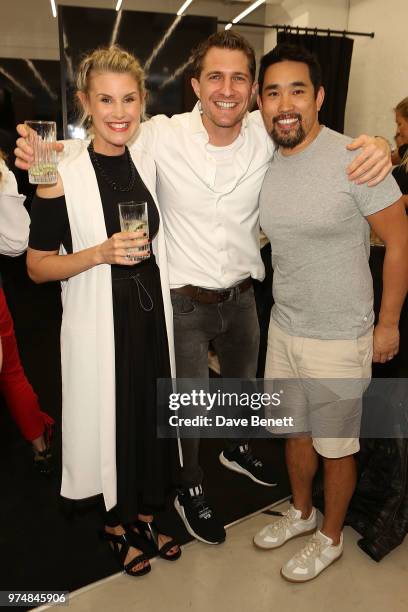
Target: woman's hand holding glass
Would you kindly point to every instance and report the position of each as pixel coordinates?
(24, 151)
(125, 248)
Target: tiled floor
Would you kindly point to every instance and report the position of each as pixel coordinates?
(237, 577)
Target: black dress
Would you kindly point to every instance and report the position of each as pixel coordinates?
(141, 349)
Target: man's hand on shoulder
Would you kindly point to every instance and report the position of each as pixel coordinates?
(373, 164)
(24, 152)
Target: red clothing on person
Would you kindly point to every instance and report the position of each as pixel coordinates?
(14, 386)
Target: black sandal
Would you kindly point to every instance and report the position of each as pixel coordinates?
(150, 533)
(120, 545)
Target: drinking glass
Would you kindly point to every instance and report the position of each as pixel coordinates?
(133, 217)
(41, 136)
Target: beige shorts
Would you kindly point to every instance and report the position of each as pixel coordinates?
(321, 383)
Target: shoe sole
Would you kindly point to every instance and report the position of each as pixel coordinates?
(191, 531)
(235, 467)
(297, 535)
(293, 581)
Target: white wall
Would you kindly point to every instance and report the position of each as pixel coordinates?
(313, 13)
(379, 69)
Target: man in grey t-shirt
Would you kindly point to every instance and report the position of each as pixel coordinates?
(322, 321)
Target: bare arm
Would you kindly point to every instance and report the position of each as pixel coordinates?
(374, 162)
(391, 225)
(43, 266)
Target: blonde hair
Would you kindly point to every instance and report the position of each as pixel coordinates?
(402, 109)
(108, 59)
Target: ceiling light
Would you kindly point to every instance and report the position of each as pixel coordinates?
(250, 8)
(184, 7)
(16, 83)
(41, 79)
(53, 8)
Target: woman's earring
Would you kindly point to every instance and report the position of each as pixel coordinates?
(200, 107)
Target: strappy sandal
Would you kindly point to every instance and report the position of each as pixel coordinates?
(120, 545)
(150, 533)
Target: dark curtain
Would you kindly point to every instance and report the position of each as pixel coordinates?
(334, 54)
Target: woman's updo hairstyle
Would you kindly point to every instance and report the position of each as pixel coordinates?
(108, 59)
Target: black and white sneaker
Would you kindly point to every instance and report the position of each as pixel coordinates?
(242, 461)
(198, 516)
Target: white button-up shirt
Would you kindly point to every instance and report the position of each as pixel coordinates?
(212, 236)
(14, 219)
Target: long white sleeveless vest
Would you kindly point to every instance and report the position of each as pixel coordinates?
(87, 337)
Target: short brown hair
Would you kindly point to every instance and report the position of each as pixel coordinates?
(222, 40)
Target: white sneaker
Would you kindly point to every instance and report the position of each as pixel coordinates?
(308, 563)
(291, 525)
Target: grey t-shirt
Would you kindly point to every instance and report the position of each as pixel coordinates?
(315, 219)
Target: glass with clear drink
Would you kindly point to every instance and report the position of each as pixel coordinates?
(133, 217)
(41, 136)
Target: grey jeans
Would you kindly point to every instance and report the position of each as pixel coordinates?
(233, 329)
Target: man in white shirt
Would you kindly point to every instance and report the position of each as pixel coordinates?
(210, 167)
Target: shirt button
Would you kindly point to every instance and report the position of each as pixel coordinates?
(365, 318)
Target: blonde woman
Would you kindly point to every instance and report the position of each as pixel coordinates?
(35, 425)
(116, 334)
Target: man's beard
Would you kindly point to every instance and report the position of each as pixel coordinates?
(289, 140)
